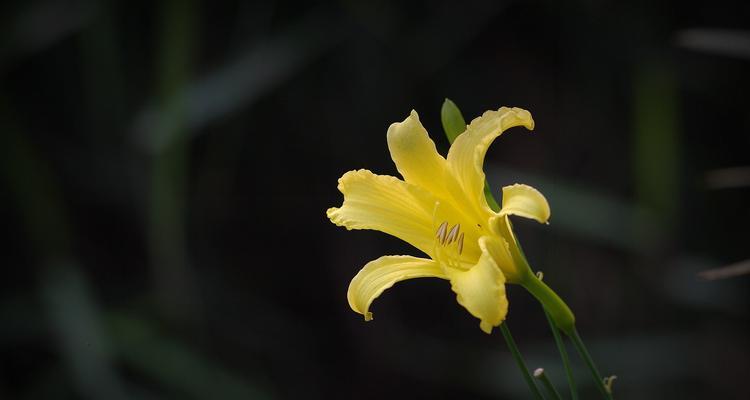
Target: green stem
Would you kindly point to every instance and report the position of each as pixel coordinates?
(552, 303)
(551, 391)
(564, 355)
(584, 353)
(519, 360)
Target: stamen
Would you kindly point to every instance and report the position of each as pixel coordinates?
(460, 243)
(452, 234)
(441, 232)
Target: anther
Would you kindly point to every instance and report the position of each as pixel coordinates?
(452, 234)
(441, 232)
(460, 243)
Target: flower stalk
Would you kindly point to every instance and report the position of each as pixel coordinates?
(559, 312)
(584, 353)
(519, 361)
(564, 356)
(548, 386)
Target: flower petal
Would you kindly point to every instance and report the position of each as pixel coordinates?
(466, 156)
(481, 289)
(387, 204)
(379, 275)
(525, 201)
(415, 155)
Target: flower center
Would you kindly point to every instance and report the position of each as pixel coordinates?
(446, 236)
(449, 244)
(455, 240)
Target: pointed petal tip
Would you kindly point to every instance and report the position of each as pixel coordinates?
(525, 201)
(354, 305)
(330, 213)
(486, 327)
(401, 128)
(353, 175)
(337, 219)
(525, 116)
(413, 115)
(381, 274)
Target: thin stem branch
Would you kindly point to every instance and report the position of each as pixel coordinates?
(551, 391)
(564, 355)
(519, 360)
(584, 353)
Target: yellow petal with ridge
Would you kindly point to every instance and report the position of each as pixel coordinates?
(415, 155)
(387, 204)
(466, 156)
(481, 289)
(379, 275)
(525, 201)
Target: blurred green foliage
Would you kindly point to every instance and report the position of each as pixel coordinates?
(166, 167)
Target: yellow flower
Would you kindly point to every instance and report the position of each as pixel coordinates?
(440, 208)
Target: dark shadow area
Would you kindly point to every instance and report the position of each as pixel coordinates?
(166, 168)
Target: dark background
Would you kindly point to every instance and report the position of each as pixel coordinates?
(166, 168)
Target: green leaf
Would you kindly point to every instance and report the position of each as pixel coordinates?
(453, 122)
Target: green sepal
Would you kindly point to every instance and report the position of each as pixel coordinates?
(453, 121)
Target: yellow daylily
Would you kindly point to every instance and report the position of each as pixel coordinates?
(440, 208)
